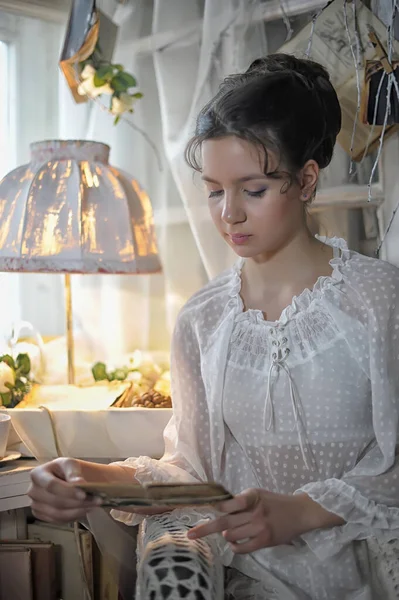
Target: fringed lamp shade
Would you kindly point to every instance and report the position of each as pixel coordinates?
(69, 211)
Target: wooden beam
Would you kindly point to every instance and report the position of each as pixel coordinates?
(347, 197)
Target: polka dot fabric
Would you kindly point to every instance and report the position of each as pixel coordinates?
(305, 404)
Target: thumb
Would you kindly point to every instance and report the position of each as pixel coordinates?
(73, 471)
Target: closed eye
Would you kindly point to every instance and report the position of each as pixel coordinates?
(215, 193)
(257, 194)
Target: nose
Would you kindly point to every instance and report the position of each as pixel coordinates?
(232, 211)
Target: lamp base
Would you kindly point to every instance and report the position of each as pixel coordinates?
(69, 329)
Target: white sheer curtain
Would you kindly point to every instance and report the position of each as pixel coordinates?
(188, 74)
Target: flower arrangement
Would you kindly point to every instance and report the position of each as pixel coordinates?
(14, 379)
(98, 77)
(141, 369)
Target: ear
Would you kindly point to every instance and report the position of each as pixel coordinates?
(309, 177)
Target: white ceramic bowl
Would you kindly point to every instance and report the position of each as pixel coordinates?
(112, 433)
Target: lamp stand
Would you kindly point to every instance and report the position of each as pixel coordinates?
(69, 330)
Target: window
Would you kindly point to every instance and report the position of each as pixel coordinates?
(4, 109)
(9, 305)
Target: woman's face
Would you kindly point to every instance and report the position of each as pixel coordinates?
(252, 212)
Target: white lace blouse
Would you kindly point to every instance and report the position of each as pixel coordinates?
(308, 403)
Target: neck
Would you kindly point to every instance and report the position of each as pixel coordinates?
(301, 259)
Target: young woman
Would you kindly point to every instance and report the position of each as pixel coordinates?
(285, 384)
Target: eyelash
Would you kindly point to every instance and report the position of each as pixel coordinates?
(257, 194)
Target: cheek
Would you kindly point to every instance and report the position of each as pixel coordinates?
(273, 211)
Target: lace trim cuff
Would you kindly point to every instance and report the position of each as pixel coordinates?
(148, 470)
(364, 518)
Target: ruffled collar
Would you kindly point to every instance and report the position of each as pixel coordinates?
(304, 299)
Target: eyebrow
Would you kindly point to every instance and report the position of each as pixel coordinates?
(240, 180)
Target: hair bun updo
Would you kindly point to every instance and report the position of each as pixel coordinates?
(282, 103)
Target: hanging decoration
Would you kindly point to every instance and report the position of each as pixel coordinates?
(86, 60)
(375, 99)
(338, 38)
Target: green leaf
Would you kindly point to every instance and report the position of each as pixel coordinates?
(137, 95)
(21, 385)
(6, 399)
(119, 67)
(8, 385)
(117, 119)
(8, 360)
(118, 375)
(128, 79)
(23, 364)
(118, 84)
(98, 81)
(105, 73)
(99, 371)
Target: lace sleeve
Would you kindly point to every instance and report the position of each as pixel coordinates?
(367, 497)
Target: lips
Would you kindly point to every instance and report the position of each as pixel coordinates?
(239, 238)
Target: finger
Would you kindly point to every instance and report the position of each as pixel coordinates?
(42, 496)
(245, 501)
(249, 546)
(42, 478)
(63, 467)
(249, 531)
(42, 516)
(219, 525)
(73, 471)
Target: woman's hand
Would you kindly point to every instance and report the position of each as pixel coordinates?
(258, 519)
(55, 497)
(53, 491)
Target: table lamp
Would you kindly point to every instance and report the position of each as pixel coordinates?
(68, 211)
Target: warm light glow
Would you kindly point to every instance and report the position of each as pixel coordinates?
(87, 174)
(7, 216)
(89, 230)
(146, 244)
(48, 245)
(116, 186)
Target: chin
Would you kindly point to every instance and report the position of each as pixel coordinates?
(244, 251)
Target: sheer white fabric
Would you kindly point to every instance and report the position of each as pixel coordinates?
(307, 403)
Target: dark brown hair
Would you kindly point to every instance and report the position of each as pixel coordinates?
(281, 104)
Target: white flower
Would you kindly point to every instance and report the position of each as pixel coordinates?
(134, 376)
(87, 88)
(121, 104)
(88, 71)
(6, 376)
